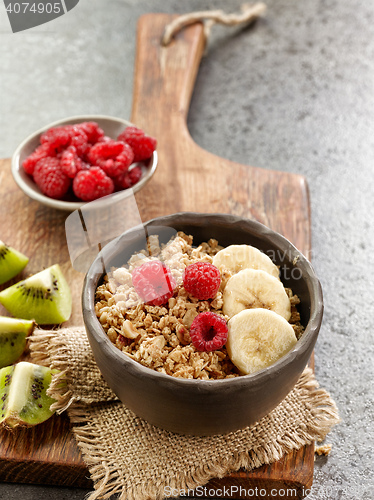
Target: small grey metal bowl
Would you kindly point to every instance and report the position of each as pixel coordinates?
(112, 127)
(205, 407)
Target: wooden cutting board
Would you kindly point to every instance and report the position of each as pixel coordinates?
(187, 178)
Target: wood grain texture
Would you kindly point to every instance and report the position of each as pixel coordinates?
(187, 178)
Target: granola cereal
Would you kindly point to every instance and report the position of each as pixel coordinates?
(158, 336)
(324, 449)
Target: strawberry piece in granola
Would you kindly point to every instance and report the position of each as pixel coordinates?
(153, 282)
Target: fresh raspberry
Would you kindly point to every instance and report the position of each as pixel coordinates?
(120, 165)
(91, 184)
(128, 179)
(50, 178)
(202, 280)
(106, 165)
(135, 175)
(153, 282)
(129, 133)
(105, 150)
(79, 140)
(83, 166)
(143, 145)
(122, 181)
(40, 152)
(57, 137)
(92, 130)
(112, 156)
(208, 331)
(126, 157)
(70, 162)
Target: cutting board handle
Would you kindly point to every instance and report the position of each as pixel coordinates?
(165, 76)
(188, 177)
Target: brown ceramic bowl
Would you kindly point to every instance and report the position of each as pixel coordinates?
(202, 407)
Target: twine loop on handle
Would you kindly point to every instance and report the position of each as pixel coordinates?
(249, 12)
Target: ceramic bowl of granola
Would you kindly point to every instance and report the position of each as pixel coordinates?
(157, 353)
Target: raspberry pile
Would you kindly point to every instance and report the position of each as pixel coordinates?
(208, 331)
(81, 159)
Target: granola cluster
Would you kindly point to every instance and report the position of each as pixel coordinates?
(158, 336)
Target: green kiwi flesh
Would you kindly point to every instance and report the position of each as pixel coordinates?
(13, 335)
(44, 297)
(23, 391)
(11, 262)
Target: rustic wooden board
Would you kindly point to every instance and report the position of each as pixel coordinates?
(188, 178)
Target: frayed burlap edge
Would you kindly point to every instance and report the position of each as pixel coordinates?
(68, 350)
(47, 349)
(105, 474)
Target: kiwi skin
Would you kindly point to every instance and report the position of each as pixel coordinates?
(23, 394)
(44, 297)
(13, 338)
(11, 262)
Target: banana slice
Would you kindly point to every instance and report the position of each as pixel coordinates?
(257, 338)
(237, 257)
(252, 288)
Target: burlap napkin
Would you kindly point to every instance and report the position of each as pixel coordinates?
(128, 456)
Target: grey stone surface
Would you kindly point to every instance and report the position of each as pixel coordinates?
(294, 93)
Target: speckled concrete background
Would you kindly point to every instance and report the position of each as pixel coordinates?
(294, 93)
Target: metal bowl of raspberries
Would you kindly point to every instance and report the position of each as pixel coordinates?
(79, 159)
(251, 259)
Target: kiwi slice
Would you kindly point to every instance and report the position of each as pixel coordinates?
(11, 262)
(44, 297)
(13, 334)
(23, 391)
